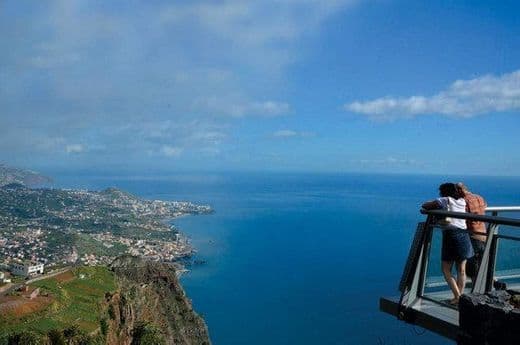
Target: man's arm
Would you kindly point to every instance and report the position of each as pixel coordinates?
(431, 205)
(485, 204)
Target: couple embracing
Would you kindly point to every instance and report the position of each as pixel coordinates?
(461, 240)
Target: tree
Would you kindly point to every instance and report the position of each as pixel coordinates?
(147, 334)
(104, 326)
(71, 332)
(56, 337)
(75, 336)
(24, 338)
(111, 312)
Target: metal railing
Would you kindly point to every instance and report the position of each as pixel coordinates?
(413, 281)
(496, 209)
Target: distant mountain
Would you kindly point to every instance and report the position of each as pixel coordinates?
(10, 175)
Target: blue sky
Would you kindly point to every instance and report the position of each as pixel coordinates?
(286, 85)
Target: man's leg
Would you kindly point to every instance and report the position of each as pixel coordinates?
(473, 263)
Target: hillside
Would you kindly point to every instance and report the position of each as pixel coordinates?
(132, 302)
(26, 177)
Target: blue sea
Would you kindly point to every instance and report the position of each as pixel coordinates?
(300, 258)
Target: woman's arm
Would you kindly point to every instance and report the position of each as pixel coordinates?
(431, 205)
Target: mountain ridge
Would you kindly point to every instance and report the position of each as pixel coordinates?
(9, 175)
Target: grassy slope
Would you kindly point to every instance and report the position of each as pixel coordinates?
(87, 245)
(77, 301)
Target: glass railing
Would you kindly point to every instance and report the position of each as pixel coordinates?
(500, 266)
(507, 260)
(435, 286)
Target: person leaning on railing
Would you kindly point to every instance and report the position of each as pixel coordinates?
(477, 205)
(456, 244)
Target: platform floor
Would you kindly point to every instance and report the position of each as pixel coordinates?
(432, 311)
(437, 317)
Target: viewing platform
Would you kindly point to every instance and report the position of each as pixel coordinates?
(425, 295)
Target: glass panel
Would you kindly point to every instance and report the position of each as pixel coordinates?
(435, 286)
(507, 267)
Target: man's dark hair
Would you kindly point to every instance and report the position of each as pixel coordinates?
(450, 189)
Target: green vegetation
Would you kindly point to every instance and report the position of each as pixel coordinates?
(17, 279)
(56, 337)
(69, 336)
(147, 334)
(87, 245)
(134, 301)
(103, 324)
(59, 241)
(77, 301)
(111, 312)
(25, 338)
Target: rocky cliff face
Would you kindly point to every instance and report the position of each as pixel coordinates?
(490, 319)
(150, 307)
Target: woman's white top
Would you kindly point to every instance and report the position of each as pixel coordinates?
(454, 205)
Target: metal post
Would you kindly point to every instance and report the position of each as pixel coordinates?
(492, 263)
(481, 281)
(426, 255)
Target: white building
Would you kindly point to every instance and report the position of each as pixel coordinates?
(26, 268)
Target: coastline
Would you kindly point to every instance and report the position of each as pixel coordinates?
(94, 227)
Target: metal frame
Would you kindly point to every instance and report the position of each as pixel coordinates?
(487, 265)
(484, 280)
(412, 285)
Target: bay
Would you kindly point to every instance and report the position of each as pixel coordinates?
(300, 258)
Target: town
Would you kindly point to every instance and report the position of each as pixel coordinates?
(46, 229)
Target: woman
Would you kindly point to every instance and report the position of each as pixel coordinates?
(456, 244)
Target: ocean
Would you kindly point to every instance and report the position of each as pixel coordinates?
(300, 258)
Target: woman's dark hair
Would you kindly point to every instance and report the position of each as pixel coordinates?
(450, 189)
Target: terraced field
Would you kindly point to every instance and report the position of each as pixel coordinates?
(71, 298)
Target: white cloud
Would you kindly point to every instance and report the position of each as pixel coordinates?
(289, 133)
(177, 73)
(464, 99)
(270, 108)
(195, 134)
(285, 133)
(388, 161)
(171, 151)
(74, 148)
(258, 32)
(49, 143)
(210, 151)
(240, 108)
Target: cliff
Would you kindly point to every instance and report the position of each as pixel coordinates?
(129, 303)
(150, 306)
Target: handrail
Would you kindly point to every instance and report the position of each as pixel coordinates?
(503, 209)
(472, 216)
(414, 278)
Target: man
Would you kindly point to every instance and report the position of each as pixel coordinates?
(478, 235)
